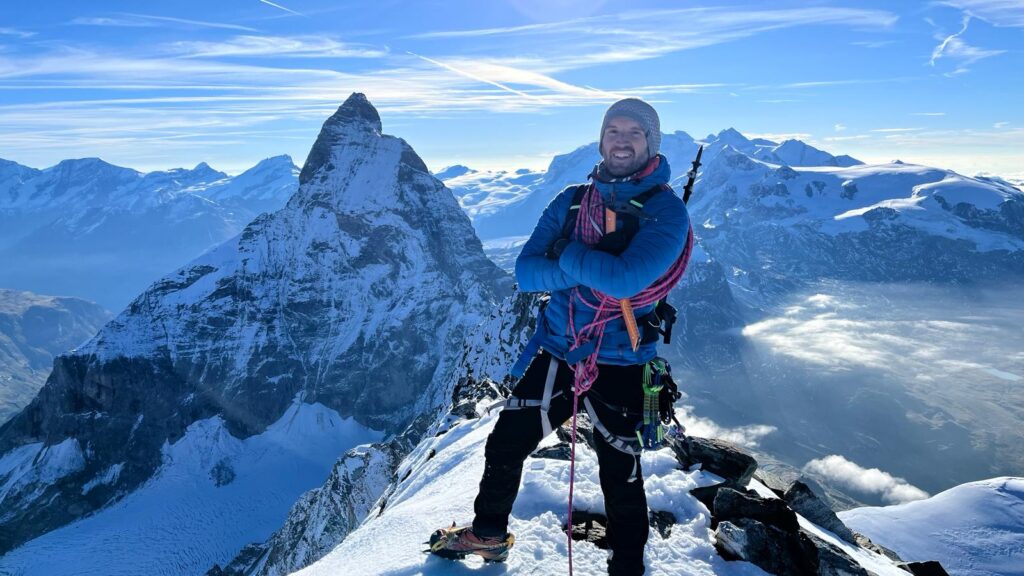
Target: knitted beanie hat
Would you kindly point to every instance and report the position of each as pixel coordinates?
(643, 113)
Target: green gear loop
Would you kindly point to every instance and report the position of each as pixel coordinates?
(651, 433)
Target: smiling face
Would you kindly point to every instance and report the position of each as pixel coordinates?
(623, 146)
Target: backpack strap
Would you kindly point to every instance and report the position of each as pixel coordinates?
(640, 199)
(574, 211)
(631, 215)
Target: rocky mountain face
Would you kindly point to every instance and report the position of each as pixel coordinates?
(365, 478)
(355, 296)
(33, 330)
(90, 229)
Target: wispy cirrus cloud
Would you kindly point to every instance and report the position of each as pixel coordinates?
(1008, 13)
(962, 54)
(16, 33)
(277, 46)
(873, 43)
(280, 7)
(150, 21)
(646, 34)
(927, 113)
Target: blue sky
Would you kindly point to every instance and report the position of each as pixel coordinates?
(508, 83)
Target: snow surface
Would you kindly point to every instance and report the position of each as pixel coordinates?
(36, 464)
(181, 522)
(975, 529)
(442, 482)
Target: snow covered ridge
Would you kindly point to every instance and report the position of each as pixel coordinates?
(743, 519)
(102, 232)
(356, 295)
(975, 529)
(212, 494)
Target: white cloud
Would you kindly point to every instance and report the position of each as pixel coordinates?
(16, 33)
(824, 83)
(839, 127)
(279, 46)
(874, 43)
(961, 53)
(280, 7)
(748, 436)
(996, 12)
(149, 21)
(927, 113)
(1000, 125)
(640, 35)
(502, 76)
(849, 475)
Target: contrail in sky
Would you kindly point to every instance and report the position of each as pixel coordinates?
(278, 6)
(478, 78)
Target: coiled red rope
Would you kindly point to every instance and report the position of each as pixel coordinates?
(607, 309)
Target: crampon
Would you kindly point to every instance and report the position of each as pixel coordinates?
(455, 543)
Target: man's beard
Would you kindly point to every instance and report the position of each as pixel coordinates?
(624, 167)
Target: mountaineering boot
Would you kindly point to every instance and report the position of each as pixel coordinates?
(456, 543)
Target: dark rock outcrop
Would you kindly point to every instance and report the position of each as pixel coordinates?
(731, 505)
(772, 549)
(589, 527)
(802, 499)
(929, 568)
(715, 456)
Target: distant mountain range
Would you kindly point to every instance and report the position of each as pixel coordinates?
(101, 232)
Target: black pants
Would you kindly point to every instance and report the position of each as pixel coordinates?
(617, 398)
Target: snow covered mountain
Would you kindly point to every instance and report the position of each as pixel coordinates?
(338, 310)
(33, 330)
(507, 204)
(974, 529)
(807, 212)
(91, 229)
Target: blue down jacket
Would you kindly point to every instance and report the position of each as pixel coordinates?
(657, 244)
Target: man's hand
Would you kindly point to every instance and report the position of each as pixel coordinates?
(556, 249)
(613, 243)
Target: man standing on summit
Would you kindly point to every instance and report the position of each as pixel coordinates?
(607, 252)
